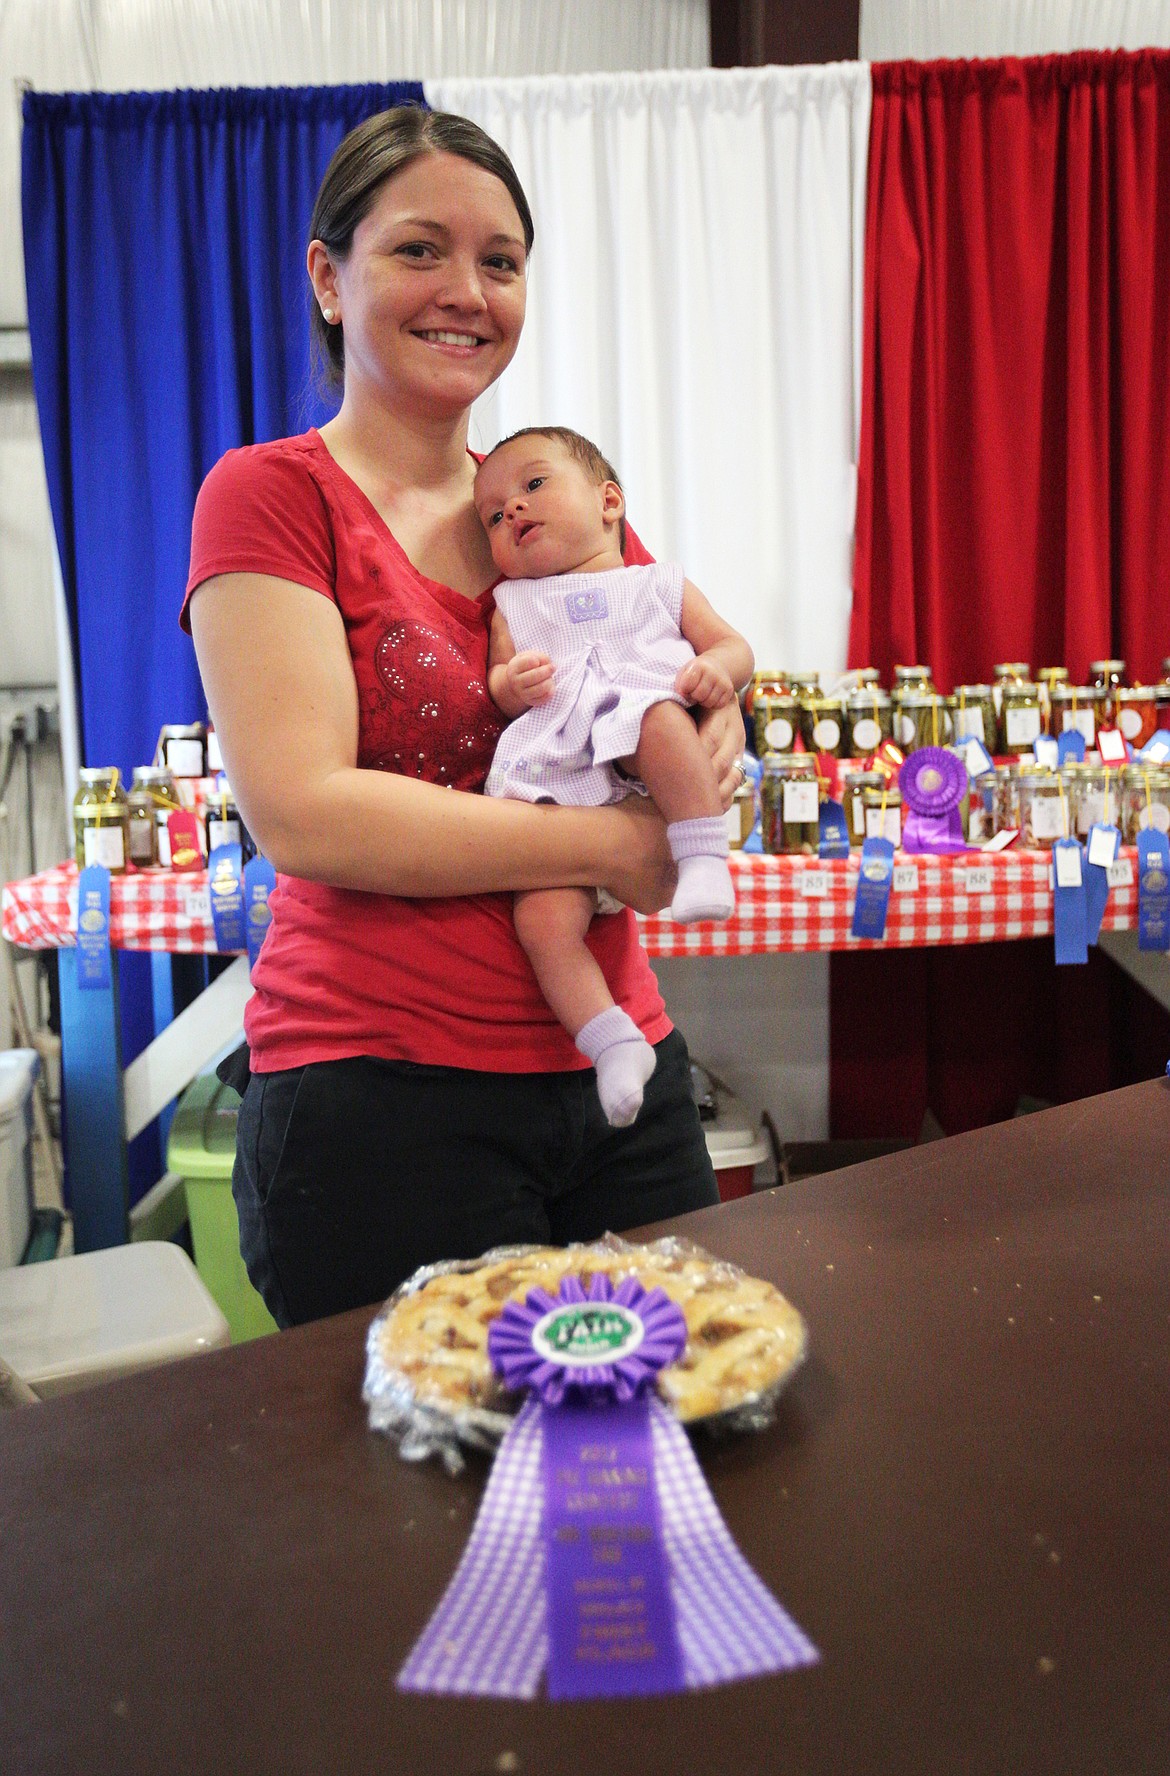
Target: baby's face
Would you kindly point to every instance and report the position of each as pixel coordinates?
(544, 513)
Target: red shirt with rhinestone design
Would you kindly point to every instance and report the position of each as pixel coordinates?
(343, 973)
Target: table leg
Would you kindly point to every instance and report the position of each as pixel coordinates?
(96, 1178)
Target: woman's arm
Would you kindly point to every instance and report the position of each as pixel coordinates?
(281, 691)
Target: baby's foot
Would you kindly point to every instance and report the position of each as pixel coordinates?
(704, 890)
(624, 1061)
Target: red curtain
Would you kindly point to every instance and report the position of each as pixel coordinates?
(1014, 476)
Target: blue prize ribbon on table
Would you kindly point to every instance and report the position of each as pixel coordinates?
(1101, 852)
(227, 898)
(259, 881)
(1069, 912)
(875, 878)
(834, 834)
(1153, 891)
(93, 927)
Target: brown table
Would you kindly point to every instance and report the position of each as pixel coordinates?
(965, 1502)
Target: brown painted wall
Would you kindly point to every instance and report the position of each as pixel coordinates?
(748, 33)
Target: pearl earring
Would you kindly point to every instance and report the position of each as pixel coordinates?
(329, 314)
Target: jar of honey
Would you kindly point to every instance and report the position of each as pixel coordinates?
(101, 832)
(151, 792)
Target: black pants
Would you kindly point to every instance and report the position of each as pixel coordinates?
(350, 1174)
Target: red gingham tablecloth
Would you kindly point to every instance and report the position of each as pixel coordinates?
(784, 903)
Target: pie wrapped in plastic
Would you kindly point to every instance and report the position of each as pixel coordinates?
(429, 1379)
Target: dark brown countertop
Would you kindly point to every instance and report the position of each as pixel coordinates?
(965, 1501)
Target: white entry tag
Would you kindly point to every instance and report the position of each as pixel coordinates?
(1111, 746)
(1068, 866)
(1002, 839)
(1103, 845)
(979, 760)
(1046, 752)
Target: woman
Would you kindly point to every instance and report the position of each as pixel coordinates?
(410, 1095)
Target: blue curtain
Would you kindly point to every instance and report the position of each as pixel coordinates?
(164, 241)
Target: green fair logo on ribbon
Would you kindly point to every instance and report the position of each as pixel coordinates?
(581, 1335)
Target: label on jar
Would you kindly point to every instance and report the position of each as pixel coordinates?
(867, 733)
(1130, 723)
(979, 760)
(826, 734)
(104, 845)
(164, 844)
(857, 816)
(1048, 817)
(1046, 751)
(801, 803)
(732, 817)
(184, 758)
(778, 734)
(969, 723)
(1022, 726)
(142, 839)
(214, 756)
(906, 729)
(227, 832)
(884, 825)
(1079, 721)
(1157, 815)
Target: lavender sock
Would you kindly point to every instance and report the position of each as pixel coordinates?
(624, 1061)
(704, 891)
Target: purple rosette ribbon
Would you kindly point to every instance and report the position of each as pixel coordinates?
(599, 1557)
(933, 782)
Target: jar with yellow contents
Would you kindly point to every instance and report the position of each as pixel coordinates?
(1108, 676)
(1020, 721)
(790, 805)
(101, 815)
(1145, 801)
(974, 714)
(152, 792)
(1046, 678)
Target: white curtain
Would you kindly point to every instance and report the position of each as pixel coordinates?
(694, 307)
(921, 30)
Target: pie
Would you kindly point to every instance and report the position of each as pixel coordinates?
(743, 1338)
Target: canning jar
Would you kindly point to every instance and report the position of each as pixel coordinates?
(822, 724)
(1074, 710)
(1019, 716)
(922, 720)
(1108, 676)
(101, 820)
(882, 808)
(1046, 678)
(1007, 806)
(1093, 797)
(224, 824)
(868, 720)
(855, 782)
(776, 719)
(152, 792)
(804, 684)
(974, 714)
(980, 824)
(1136, 713)
(741, 816)
(1145, 801)
(1043, 809)
(182, 749)
(763, 681)
(1162, 697)
(790, 805)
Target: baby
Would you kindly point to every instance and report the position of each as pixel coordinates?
(598, 663)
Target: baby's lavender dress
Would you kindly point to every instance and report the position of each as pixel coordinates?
(615, 642)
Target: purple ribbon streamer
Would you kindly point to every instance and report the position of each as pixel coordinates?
(489, 1634)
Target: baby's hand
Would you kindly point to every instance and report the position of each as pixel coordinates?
(530, 678)
(705, 681)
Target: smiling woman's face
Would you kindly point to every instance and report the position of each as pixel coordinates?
(431, 296)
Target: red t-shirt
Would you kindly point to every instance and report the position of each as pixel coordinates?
(344, 973)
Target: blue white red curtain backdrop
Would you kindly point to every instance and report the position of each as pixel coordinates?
(164, 238)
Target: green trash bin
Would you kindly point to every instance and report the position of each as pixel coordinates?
(200, 1150)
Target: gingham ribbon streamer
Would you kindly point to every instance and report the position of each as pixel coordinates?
(488, 1636)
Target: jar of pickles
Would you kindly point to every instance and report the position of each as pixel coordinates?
(882, 810)
(101, 820)
(152, 792)
(1136, 713)
(974, 714)
(1073, 709)
(922, 720)
(1108, 676)
(790, 805)
(855, 783)
(868, 720)
(1043, 809)
(1093, 797)
(776, 719)
(822, 724)
(981, 809)
(1145, 801)
(1019, 716)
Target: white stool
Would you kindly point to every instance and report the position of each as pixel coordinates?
(72, 1322)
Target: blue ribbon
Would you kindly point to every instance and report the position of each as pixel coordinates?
(259, 881)
(227, 897)
(1070, 748)
(834, 834)
(1153, 891)
(875, 878)
(93, 927)
(1069, 911)
(1103, 846)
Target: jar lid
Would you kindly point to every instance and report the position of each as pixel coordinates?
(1021, 687)
(1052, 674)
(972, 691)
(869, 697)
(1013, 669)
(923, 700)
(92, 775)
(1084, 693)
(892, 795)
(865, 779)
(867, 675)
(148, 774)
(1117, 666)
(790, 764)
(1039, 779)
(1135, 693)
(911, 674)
(182, 731)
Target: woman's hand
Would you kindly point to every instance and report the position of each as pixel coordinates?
(722, 733)
(641, 874)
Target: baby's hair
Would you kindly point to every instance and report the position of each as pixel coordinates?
(586, 453)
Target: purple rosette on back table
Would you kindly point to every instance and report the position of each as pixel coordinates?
(933, 782)
(599, 1555)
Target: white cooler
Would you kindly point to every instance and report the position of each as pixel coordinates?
(734, 1146)
(18, 1071)
(71, 1322)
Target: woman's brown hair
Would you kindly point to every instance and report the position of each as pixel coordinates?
(361, 164)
